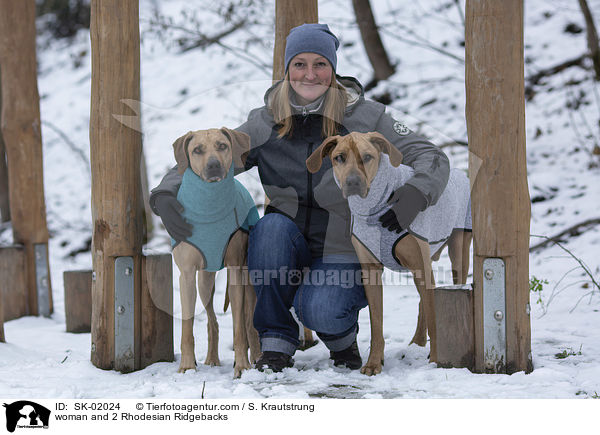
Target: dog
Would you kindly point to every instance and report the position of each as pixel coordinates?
(368, 169)
(221, 212)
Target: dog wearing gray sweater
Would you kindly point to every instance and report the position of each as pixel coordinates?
(368, 169)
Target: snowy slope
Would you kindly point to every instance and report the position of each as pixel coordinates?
(217, 87)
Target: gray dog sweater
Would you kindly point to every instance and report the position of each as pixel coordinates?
(434, 224)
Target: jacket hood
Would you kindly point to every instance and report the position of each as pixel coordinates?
(354, 90)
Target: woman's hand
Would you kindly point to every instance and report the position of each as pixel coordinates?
(169, 210)
(407, 202)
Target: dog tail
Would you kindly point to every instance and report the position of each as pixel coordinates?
(226, 303)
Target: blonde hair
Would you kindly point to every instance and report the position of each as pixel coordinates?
(333, 111)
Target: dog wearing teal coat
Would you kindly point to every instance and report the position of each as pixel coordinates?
(221, 212)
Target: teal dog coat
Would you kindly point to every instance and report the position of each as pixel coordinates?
(215, 211)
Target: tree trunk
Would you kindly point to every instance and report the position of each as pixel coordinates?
(21, 131)
(498, 173)
(592, 37)
(289, 14)
(378, 57)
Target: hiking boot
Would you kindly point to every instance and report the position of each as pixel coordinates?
(273, 362)
(349, 357)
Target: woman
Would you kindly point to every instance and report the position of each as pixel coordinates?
(300, 254)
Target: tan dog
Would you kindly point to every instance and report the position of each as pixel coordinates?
(356, 159)
(209, 154)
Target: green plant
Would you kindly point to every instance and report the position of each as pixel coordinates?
(536, 286)
(567, 352)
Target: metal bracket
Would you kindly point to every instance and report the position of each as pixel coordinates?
(124, 314)
(41, 278)
(494, 315)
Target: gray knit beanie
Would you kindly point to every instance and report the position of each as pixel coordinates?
(311, 38)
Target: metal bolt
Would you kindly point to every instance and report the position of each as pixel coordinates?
(128, 271)
(528, 308)
(93, 347)
(498, 315)
(120, 309)
(93, 276)
(489, 274)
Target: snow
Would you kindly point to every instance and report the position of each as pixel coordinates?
(215, 87)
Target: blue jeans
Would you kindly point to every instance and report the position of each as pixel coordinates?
(326, 293)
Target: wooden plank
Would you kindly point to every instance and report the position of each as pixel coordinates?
(500, 197)
(21, 131)
(13, 282)
(78, 300)
(157, 310)
(455, 327)
(115, 151)
(289, 14)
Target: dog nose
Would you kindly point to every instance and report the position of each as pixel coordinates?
(353, 185)
(353, 181)
(213, 164)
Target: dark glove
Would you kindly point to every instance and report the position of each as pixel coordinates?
(169, 210)
(408, 202)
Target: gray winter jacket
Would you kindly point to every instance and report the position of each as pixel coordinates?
(313, 201)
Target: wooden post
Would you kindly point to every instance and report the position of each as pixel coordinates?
(115, 151)
(289, 14)
(500, 198)
(454, 326)
(4, 202)
(12, 282)
(127, 331)
(20, 126)
(78, 300)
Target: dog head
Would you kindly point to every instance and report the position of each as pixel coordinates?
(209, 153)
(355, 159)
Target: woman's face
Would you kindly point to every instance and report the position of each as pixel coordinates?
(310, 76)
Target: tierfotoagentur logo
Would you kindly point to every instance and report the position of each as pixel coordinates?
(26, 415)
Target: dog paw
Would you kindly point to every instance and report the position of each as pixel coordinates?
(371, 369)
(184, 367)
(239, 368)
(212, 361)
(419, 341)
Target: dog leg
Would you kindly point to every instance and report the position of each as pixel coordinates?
(414, 254)
(374, 292)
(206, 288)
(459, 250)
(188, 261)
(251, 332)
(236, 298)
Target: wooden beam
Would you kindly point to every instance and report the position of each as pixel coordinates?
(115, 151)
(13, 282)
(289, 14)
(495, 112)
(454, 326)
(78, 300)
(21, 132)
(157, 309)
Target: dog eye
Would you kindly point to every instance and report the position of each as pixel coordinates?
(198, 150)
(340, 158)
(221, 146)
(367, 158)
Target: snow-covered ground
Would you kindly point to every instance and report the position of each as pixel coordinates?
(217, 86)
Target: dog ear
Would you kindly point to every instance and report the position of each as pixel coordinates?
(315, 160)
(181, 154)
(240, 145)
(386, 146)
